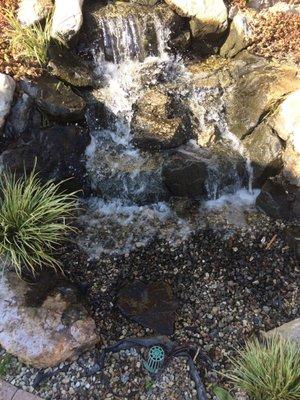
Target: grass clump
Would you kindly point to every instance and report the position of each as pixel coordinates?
(32, 221)
(268, 370)
(29, 42)
(5, 362)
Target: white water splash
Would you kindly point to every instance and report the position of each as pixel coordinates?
(117, 223)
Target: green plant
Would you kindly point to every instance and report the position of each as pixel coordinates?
(221, 393)
(5, 361)
(269, 370)
(29, 42)
(32, 221)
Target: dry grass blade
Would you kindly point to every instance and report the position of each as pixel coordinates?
(28, 42)
(269, 370)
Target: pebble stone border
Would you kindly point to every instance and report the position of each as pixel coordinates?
(10, 392)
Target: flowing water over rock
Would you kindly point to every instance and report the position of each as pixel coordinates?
(131, 206)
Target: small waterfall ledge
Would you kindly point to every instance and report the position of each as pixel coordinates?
(133, 54)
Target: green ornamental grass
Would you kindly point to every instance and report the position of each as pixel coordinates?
(268, 370)
(29, 42)
(32, 221)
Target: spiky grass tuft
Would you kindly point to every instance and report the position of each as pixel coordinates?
(29, 42)
(268, 370)
(32, 221)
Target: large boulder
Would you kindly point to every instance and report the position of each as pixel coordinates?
(32, 11)
(265, 150)
(45, 335)
(7, 89)
(286, 122)
(278, 199)
(200, 173)
(55, 99)
(240, 35)
(67, 19)
(207, 16)
(158, 122)
(57, 152)
(257, 89)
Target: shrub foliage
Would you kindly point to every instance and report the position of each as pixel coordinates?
(32, 221)
(268, 370)
(28, 42)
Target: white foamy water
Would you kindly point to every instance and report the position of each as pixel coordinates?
(130, 208)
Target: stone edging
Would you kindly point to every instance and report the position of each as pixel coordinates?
(10, 392)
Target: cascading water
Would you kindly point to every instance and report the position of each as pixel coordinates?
(130, 208)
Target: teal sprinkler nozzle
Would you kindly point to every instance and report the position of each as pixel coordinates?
(156, 357)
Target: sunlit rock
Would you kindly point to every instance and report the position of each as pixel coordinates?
(7, 89)
(67, 19)
(43, 335)
(32, 11)
(208, 16)
(240, 35)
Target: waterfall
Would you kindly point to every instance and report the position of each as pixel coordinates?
(130, 205)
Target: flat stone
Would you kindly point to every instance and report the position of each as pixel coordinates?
(7, 391)
(289, 331)
(152, 305)
(21, 395)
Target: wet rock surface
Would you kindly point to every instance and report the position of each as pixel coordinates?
(38, 341)
(69, 67)
(159, 122)
(57, 152)
(277, 199)
(195, 172)
(55, 98)
(152, 305)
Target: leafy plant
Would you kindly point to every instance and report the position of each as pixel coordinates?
(5, 361)
(29, 42)
(32, 221)
(268, 370)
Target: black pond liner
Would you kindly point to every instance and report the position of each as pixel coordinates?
(172, 349)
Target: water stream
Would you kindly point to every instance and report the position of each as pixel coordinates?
(131, 206)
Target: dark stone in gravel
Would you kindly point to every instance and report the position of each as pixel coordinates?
(151, 305)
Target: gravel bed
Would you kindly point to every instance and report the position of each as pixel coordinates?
(230, 282)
